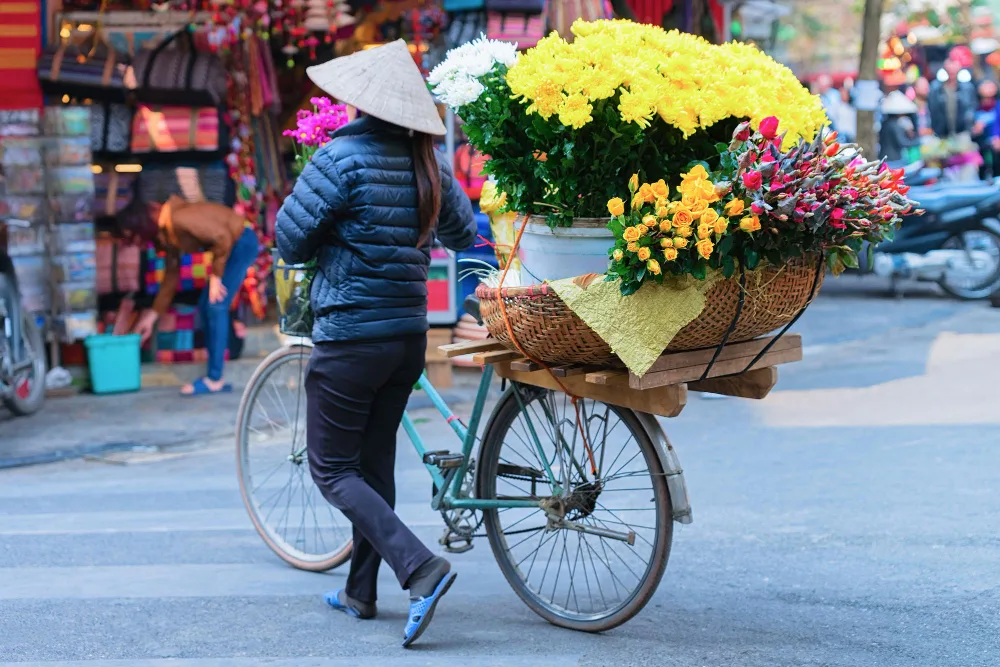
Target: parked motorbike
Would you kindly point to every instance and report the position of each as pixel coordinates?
(22, 350)
(955, 243)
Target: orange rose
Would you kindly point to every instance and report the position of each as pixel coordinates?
(705, 248)
(660, 188)
(665, 226)
(685, 231)
(666, 243)
(632, 247)
(709, 217)
(683, 218)
(653, 266)
(670, 254)
(637, 202)
(662, 211)
(751, 223)
(699, 207)
(704, 231)
(680, 242)
(643, 253)
(735, 208)
(616, 207)
(650, 221)
(646, 190)
(721, 225)
(633, 183)
(630, 234)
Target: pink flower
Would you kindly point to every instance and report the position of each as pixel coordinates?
(836, 218)
(768, 127)
(767, 157)
(752, 180)
(757, 208)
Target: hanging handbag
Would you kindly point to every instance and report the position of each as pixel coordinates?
(176, 131)
(83, 71)
(465, 27)
(521, 29)
(112, 192)
(176, 73)
(528, 7)
(202, 183)
(564, 13)
(462, 5)
(118, 266)
(110, 128)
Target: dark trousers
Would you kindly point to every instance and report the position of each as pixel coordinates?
(356, 393)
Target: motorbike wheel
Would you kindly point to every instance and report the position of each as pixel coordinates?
(28, 393)
(978, 276)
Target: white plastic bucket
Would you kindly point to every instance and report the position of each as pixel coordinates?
(564, 252)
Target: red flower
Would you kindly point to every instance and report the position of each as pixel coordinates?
(767, 157)
(768, 127)
(757, 208)
(836, 219)
(752, 180)
(742, 134)
(832, 149)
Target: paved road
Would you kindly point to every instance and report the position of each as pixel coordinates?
(853, 545)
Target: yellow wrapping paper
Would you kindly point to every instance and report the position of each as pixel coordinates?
(638, 327)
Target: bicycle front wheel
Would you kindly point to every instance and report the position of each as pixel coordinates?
(286, 507)
(592, 556)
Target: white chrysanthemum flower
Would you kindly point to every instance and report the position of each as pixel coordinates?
(478, 64)
(443, 71)
(465, 90)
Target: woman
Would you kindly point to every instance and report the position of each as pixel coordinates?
(178, 227)
(897, 136)
(367, 208)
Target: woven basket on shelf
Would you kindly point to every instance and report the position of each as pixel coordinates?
(549, 331)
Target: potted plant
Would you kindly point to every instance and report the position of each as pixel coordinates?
(565, 123)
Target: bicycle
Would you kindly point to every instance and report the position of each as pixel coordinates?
(22, 348)
(542, 482)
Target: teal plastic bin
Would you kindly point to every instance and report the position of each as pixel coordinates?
(114, 363)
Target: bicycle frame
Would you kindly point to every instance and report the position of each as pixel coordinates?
(450, 496)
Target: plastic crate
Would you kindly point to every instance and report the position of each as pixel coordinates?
(114, 363)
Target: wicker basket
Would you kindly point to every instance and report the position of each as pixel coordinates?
(549, 331)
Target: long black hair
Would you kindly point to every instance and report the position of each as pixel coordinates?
(425, 167)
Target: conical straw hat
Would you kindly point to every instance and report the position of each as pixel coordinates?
(383, 82)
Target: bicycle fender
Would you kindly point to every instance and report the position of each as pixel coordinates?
(671, 467)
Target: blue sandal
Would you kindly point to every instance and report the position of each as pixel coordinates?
(333, 598)
(422, 610)
(201, 389)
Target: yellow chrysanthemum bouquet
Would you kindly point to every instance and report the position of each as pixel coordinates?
(565, 123)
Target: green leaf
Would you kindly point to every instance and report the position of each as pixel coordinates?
(722, 148)
(752, 258)
(728, 266)
(849, 259)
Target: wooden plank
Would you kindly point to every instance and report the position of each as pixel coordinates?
(610, 377)
(664, 401)
(471, 347)
(754, 384)
(525, 365)
(496, 356)
(571, 370)
(752, 348)
(727, 367)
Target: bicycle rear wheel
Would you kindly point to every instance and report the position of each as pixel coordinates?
(593, 558)
(286, 507)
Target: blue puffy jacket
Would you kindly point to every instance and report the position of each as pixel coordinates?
(354, 209)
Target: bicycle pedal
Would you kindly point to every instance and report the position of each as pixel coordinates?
(444, 460)
(455, 544)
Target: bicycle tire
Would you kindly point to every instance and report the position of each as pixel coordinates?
(294, 557)
(500, 422)
(32, 403)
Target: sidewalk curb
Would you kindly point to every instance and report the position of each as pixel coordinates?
(418, 401)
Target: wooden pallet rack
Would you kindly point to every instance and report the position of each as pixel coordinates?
(663, 389)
